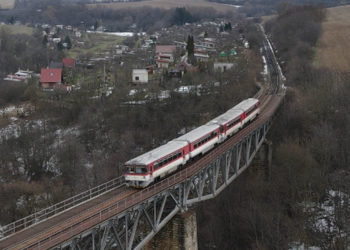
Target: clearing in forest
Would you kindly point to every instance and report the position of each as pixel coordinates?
(7, 4)
(17, 29)
(168, 4)
(333, 47)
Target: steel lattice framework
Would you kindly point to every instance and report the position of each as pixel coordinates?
(134, 227)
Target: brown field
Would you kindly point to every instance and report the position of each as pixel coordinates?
(167, 4)
(17, 29)
(333, 48)
(7, 4)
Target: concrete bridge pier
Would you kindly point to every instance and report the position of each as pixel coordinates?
(263, 160)
(179, 234)
(268, 158)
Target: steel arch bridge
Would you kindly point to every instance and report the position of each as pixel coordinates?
(134, 227)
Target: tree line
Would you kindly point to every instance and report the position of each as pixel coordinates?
(84, 16)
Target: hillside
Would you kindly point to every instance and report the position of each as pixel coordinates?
(332, 51)
(168, 4)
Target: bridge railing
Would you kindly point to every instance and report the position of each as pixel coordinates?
(60, 207)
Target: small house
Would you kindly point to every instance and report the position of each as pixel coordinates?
(165, 52)
(78, 34)
(49, 77)
(201, 55)
(68, 62)
(222, 67)
(139, 76)
(162, 64)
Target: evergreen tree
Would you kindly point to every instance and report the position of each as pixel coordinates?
(181, 16)
(190, 45)
(68, 42)
(96, 25)
(45, 41)
(190, 48)
(12, 20)
(60, 46)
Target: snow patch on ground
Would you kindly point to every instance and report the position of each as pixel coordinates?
(265, 71)
(121, 34)
(164, 94)
(323, 217)
(7, 110)
(326, 220)
(9, 131)
(301, 246)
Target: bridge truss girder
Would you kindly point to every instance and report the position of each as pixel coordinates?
(133, 228)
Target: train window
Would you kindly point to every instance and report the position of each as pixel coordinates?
(141, 170)
(131, 169)
(231, 124)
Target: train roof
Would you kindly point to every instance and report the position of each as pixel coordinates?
(197, 133)
(157, 153)
(226, 117)
(246, 104)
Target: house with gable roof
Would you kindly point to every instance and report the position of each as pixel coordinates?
(50, 77)
(68, 62)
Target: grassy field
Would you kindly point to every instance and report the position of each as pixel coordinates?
(95, 44)
(333, 48)
(167, 4)
(7, 4)
(18, 29)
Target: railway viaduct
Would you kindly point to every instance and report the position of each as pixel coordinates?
(113, 216)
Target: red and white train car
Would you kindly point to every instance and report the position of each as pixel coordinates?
(229, 122)
(249, 108)
(158, 163)
(201, 139)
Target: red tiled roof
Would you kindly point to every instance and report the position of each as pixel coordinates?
(68, 62)
(165, 49)
(51, 75)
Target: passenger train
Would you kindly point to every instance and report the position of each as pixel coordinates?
(160, 162)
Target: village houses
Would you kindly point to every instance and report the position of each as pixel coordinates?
(164, 55)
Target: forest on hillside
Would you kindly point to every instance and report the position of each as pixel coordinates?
(310, 169)
(81, 15)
